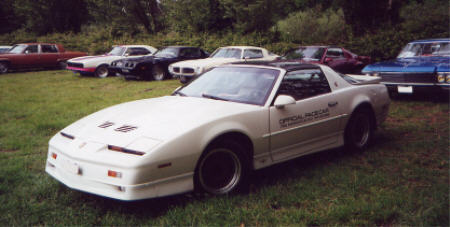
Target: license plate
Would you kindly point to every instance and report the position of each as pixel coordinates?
(71, 167)
(405, 89)
(125, 70)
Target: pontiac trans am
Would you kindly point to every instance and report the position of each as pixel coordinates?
(98, 65)
(210, 134)
(190, 69)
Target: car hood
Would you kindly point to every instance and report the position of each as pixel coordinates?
(98, 58)
(417, 64)
(160, 119)
(145, 59)
(205, 63)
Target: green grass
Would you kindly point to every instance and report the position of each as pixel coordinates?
(402, 179)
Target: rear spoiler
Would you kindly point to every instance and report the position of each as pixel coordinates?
(363, 79)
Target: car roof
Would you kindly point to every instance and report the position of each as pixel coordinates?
(286, 65)
(36, 44)
(242, 47)
(431, 40)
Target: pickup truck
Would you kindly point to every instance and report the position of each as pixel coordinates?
(36, 55)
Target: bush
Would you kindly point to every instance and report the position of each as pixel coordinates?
(314, 26)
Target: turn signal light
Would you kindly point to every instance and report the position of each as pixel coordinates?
(114, 174)
(54, 156)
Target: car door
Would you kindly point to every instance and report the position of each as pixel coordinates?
(311, 123)
(49, 55)
(29, 58)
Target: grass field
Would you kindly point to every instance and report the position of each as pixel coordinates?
(402, 179)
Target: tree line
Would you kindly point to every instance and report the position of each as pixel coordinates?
(371, 27)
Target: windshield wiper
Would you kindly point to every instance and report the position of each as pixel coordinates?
(214, 97)
(179, 93)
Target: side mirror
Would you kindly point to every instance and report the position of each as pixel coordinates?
(327, 59)
(247, 57)
(27, 52)
(283, 100)
(127, 54)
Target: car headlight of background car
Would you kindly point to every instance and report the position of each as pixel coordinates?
(198, 70)
(372, 74)
(443, 77)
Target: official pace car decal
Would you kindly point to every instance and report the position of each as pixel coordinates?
(305, 117)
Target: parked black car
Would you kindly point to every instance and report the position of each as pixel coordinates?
(155, 67)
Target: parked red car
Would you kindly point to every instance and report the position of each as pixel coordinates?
(36, 55)
(339, 59)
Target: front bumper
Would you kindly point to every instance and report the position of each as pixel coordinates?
(81, 70)
(409, 88)
(93, 178)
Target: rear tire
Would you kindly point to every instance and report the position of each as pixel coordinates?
(222, 169)
(102, 71)
(3, 67)
(359, 130)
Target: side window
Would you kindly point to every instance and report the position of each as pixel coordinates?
(335, 53)
(31, 49)
(304, 83)
(190, 53)
(49, 49)
(133, 51)
(253, 53)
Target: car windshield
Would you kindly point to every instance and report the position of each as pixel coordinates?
(425, 49)
(117, 51)
(305, 53)
(236, 84)
(227, 53)
(167, 52)
(17, 49)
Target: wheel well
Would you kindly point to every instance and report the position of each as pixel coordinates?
(240, 138)
(4, 61)
(368, 107)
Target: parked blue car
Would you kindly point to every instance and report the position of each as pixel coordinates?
(422, 65)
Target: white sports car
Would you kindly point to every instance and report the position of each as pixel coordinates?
(98, 65)
(211, 133)
(187, 70)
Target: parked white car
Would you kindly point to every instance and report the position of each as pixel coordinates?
(98, 65)
(187, 70)
(211, 133)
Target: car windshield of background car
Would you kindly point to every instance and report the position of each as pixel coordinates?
(117, 51)
(167, 52)
(306, 53)
(425, 49)
(236, 84)
(227, 53)
(17, 49)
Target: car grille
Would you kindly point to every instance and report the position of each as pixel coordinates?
(408, 77)
(76, 65)
(176, 69)
(187, 70)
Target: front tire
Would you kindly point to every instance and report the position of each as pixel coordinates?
(222, 169)
(359, 130)
(158, 73)
(3, 67)
(102, 71)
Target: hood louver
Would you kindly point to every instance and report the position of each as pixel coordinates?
(125, 128)
(106, 124)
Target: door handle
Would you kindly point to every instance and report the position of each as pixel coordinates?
(331, 104)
